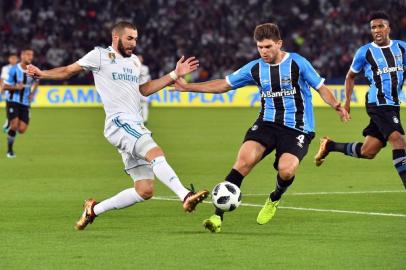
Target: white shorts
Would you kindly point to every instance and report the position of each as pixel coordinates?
(133, 141)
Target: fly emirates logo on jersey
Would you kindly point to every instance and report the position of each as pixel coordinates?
(126, 75)
(388, 70)
(283, 93)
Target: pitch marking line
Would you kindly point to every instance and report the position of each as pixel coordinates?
(305, 209)
(319, 193)
(333, 193)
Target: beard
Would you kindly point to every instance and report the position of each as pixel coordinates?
(121, 49)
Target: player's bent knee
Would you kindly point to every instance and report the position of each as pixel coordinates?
(287, 171)
(244, 165)
(14, 126)
(145, 192)
(22, 130)
(145, 188)
(397, 140)
(143, 180)
(368, 154)
(286, 174)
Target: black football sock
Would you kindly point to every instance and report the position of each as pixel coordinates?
(236, 178)
(399, 160)
(280, 188)
(349, 149)
(10, 140)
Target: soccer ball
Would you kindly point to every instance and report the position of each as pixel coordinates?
(226, 196)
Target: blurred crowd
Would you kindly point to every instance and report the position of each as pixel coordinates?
(218, 32)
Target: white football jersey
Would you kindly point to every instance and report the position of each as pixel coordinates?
(117, 81)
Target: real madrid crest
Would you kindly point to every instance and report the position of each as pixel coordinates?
(112, 57)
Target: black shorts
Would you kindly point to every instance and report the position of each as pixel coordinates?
(384, 120)
(285, 140)
(15, 109)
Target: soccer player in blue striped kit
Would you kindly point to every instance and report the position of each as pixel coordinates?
(285, 122)
(383, 62)
(20, 89)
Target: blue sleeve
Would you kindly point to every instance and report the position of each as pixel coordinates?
(403, 45)
(310, 74)
(359, 61)
(11, 77)
(242, 77)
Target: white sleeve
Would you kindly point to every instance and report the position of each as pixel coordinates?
(91, 61)
(144, 75)
(4, 73)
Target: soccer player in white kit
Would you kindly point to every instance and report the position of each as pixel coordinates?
(118, 81)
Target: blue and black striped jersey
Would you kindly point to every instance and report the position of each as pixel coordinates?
(384, 68)
(284, 88)
(16, 75)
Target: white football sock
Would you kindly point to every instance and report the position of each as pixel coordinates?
(167, 175)
(123, 199)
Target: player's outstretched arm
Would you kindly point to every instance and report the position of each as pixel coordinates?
(61, 73)
(328, 97)
(214, 86)
(183, 67)
(349, 88)
(16, 87)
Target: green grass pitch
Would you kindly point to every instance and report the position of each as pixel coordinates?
(64, 159)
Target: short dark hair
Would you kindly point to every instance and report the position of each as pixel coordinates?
(24, 49)
(267, 31)
(120, 26)
(379, 15)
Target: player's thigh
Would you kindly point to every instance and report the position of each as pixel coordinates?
(250, 153)
(129, 137)
(259, 141)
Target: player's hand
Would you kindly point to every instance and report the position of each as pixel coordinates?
(343, 113)
(180, 85)
(184, 67)
(19, 86)
(33, 71)
(31, 97)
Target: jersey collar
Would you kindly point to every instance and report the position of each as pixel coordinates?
(20, 67)
(377, 46)
(118, 55)
(283, 60)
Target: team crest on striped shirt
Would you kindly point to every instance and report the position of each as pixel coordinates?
(286, 80)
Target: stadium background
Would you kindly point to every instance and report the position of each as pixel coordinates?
(348, 214)
(219, 33)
